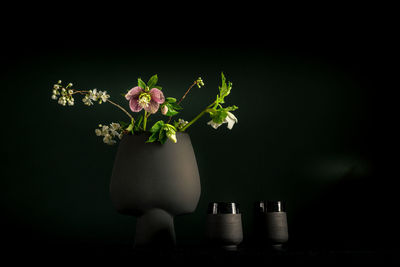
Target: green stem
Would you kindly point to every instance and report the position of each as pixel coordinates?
(144, 120)
(196, 118)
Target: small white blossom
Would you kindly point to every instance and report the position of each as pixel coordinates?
(182, 123)
(109, 132)
(62, 101)
(56, 86)
(87, 101)
(103, 95)
(70, 101)
(104, 130)
(114, 133)
(108, 140)
(115, 126)
(93, 94)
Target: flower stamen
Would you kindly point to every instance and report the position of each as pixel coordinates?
(144, 100)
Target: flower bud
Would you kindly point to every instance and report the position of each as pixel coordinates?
(171, 134)
(164, 110)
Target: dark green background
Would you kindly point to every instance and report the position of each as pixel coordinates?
(312, 131)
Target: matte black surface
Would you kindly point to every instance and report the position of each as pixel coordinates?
(201, 256)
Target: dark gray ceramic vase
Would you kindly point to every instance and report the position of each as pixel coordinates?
(155, 182)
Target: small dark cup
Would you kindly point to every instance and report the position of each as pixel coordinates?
(224, 225)
(271, 223)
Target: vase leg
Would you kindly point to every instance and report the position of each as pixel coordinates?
(155, 228)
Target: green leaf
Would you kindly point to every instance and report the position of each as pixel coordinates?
(138, 123)
(170, 100)
(158, 87)
(223, 83)
(171, 110)
(130, 128)
(157, 126)
(169, 127)
(219, 115)
(123, 124)
(141, 84)
(224, 89)
(176, 106)
(153, 81)
(152, 138)
(231, 108)
(162, 137)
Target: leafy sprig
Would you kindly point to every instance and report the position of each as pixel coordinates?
(161, 131)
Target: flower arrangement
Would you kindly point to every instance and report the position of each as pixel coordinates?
(146, 100)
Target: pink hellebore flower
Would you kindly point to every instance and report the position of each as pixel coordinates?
(140, 99)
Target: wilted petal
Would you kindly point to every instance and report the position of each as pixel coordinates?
(134, 105)
(231, 120)
(157, 95)
(232, 117)
(152, 107)
(230, 123)
(133, 93)
(214, 124)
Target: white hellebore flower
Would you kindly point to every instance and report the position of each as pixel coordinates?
(230, 119)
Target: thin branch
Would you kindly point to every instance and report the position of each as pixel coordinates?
(108, 100)
(183, 97)
(187, 92)
(121, 108)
